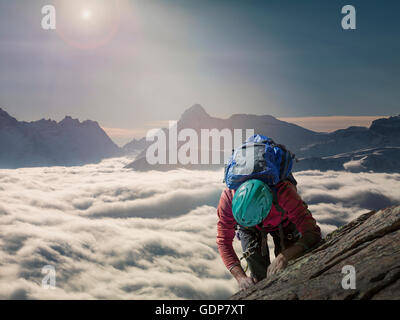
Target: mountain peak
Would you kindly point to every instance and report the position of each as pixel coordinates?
(69, 121)
(386, 126)
(68, 142)
(195, 112)
(6, 119)
(4, 114)
(91, 123)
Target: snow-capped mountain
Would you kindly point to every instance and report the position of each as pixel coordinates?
(379, 159)
(382, 132)
(49, 143)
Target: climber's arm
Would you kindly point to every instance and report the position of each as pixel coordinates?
(226, 233)
(299, 214)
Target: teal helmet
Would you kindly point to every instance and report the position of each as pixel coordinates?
(251, 203)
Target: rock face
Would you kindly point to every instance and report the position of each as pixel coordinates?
(370, 244)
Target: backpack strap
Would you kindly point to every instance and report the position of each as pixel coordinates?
(282, 211)
(264, 233)
(264, 239)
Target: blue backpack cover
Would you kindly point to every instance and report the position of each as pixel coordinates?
(259, 158)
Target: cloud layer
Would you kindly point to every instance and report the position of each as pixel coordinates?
(118, 234)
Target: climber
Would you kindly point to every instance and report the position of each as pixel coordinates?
(256, 210)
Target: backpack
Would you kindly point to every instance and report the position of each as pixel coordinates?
(259, 158)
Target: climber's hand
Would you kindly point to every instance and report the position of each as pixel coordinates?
(245, 282)
(279, 263)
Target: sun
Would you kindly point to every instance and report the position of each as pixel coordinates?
(88, 24)
(86, 14)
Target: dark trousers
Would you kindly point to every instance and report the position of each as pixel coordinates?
(257, 263)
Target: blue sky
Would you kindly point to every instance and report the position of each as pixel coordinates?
(284, 58)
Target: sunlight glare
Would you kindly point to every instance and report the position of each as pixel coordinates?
(86, 14)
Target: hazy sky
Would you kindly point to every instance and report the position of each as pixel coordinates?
(149, 60)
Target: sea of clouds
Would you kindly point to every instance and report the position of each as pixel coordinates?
(112, 233)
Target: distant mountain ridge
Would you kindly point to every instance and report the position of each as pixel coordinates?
(375, 148)
(135, 146)
(71, 142)
(49, 143)
(197, 118)
(382, 132)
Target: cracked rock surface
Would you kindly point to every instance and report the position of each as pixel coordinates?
(369, 243)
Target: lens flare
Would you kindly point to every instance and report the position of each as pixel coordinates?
(87, 24)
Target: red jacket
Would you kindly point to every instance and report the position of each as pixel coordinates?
(296, 211)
